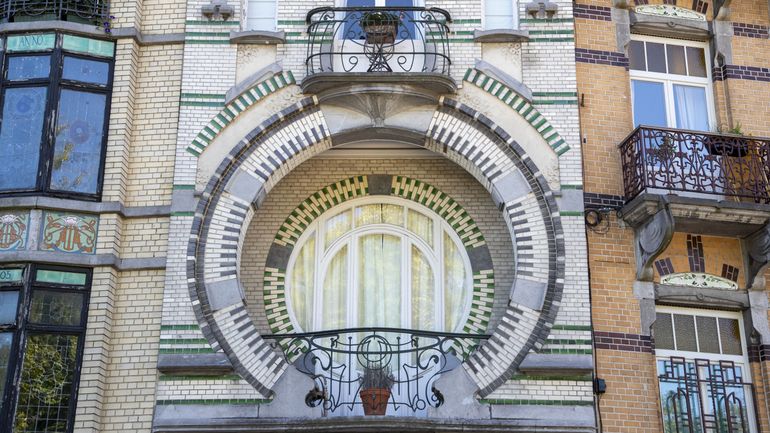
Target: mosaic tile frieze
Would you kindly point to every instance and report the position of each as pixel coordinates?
(14, 227)
(69, 233)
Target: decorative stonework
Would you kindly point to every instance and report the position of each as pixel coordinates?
(698, 279)
(69, 233)
(669, 11)
(13, 230)
(274, 282)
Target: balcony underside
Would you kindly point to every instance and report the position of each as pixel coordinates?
(424, 83)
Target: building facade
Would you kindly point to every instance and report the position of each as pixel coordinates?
(673, 108)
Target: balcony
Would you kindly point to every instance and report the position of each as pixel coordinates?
(345, 363)
(398, 46)
(710, 181)
(83, 11)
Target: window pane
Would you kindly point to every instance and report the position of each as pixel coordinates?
(302, 285)
(56, 308)
(649, 103)
(379, 280)
(9, 302)
(337, 226)
(420, 225)
(676, 63)
(369, 214)
(730, 334)
(656, 57)
(696, 62)
(498, 14)
(664, 333)
(78, 149)
(37, 42)
(707, 334)
(6, 340)
(685, 333)
(20, 133)
(88, 71)
(636, 55)
(28, 67)
(47, 378)
(10, 275)
(261, 15)
(691, 109)
(70, 278)
(423, 292)
(393, 214)
(88, 46)
(333, 315)
(455, 291)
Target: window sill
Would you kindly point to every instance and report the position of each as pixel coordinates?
(259, 37)
(500, 35)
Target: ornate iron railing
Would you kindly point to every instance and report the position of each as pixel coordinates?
(702, 396)
(336, 360)
(405, 39)
(25, 10)
(694, 161)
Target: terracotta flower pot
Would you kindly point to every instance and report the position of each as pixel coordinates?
(375, 400)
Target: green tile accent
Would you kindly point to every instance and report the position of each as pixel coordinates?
(33, 42)
(171, 377)
(467, 21)
(292, 22)
(187, 351)
(555, 101)
(554, 94)
(173, 341)
(190, 327)
(571, 327)
(546, 20)
(201, 104)
(537, 402)
(213, 23)
(571, 213)
(60, 277)
(568, 341)
(551, 32)
(216, 96)
(566, 351)
(551, 39)
(575, 378)
(89, 46)
(215, 34)
(184, 186)
(566, 186)
(208, 42)
(214, 401)
(182, 213)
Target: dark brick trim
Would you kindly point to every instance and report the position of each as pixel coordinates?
(750, 30)
(591, 199)
(738, 72)
(601, 57)
(623, 342)
(592, 12)
(759, 352)
(700, 6)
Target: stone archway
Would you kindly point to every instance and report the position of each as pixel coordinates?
(457, 132)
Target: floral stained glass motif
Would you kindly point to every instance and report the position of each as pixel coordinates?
(20, 134)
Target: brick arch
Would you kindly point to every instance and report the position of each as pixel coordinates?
(299, 132)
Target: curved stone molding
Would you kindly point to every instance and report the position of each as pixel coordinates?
(363, 186)
(698, 279)
(651, 238)
(757, 257)
(238, 105)
(520, 104)
(300, 132)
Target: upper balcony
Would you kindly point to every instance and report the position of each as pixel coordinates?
(714, 177)
(378, 45)
(83, 11)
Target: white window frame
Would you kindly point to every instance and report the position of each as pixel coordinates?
(248, 26)
(323, 255)
(741, 361)
(514, 17)
(669, 80)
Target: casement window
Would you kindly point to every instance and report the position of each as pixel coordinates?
(43, 313)
(703, 371)
(379, 262)
(671, 83)
(261, 15)
(55, 97)
(500, 14)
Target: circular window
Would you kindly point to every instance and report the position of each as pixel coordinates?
(379, 262)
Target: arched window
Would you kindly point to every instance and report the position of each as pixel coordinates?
(379, 261)
(261, 15)
(500, 14)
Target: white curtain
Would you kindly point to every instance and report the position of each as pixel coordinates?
(691, 108)
(302, 287)
(335, 292)
(261, 15)
(379, 280)
(337, 226)
(423, 292)
(455, 290)
(498, 14)
(420, 225)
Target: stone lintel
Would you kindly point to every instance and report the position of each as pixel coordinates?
(671, 27)
(204, 364)
(555, 364)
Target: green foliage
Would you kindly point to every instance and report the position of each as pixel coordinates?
(379, 19)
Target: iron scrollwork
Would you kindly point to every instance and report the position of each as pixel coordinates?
(694, 161)
(341, 41)
(335, 360)
(96, 11)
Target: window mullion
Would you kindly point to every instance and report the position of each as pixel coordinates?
(48, 136)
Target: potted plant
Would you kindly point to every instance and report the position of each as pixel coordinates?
(376, 383)
(380, 27)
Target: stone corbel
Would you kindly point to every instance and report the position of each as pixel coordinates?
(650, 239)
(756, 249)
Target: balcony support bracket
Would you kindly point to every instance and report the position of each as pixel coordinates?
(757, 257)
(650, 239)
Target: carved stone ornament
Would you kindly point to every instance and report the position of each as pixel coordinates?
(651, 238)
(698, 279)
(757, 247)
(669, 11)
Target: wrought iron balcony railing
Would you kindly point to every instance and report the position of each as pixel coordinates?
(96, 11)
(703, 396)
(339, 360)
(378, 39)
(727, 165)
